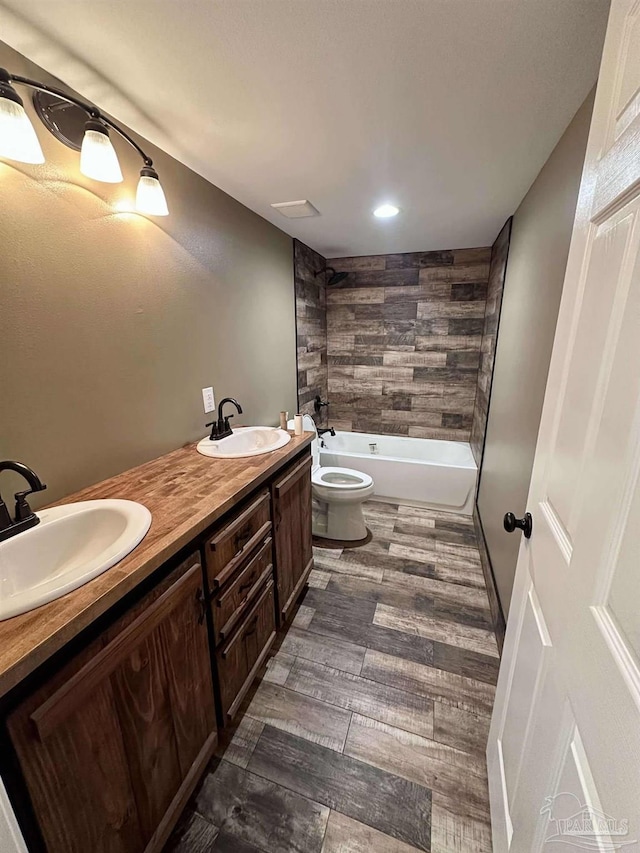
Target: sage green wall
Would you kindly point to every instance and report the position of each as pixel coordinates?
(111, 323)
(538, 254)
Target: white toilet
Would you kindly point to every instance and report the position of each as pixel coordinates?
(338, 494)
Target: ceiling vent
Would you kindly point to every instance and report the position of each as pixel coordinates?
(296, 209)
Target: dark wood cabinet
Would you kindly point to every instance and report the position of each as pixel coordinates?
(112, 744)
(291, 500)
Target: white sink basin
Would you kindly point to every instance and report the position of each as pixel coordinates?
(72, 545)
(245, 441)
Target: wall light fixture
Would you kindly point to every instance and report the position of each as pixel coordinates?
(79, 125)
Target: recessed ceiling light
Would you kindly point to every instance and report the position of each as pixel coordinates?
(386, 210)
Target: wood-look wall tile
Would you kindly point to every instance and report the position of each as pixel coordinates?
(450, 310)
(340, 343)
(433, 327)
(409, 260)
(400, 293)
(447, 343)
(354, 295)
(435, 291)
(384, 372)
(353, 360)
(463, 359)
(370, 262)
(429, 305)
(417, 359)
(456, 273)
(441, 434)
(467, 326)
(497, 272)
(472, 290)
(386, 278)
(479, 255)
(448, 375)
(412, 418)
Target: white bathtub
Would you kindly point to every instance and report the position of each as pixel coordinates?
(441, 474)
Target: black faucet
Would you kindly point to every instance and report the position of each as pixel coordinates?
(220, 428)
(24, 516)
(321, 431)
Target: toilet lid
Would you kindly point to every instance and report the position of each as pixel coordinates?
(340, 478)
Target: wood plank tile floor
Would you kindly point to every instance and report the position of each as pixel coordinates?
(367, 731)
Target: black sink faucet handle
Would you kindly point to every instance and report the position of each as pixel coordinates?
(24, 516)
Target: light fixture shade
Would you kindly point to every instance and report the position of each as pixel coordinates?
(18, 140)
(150, 198)
(98, 158)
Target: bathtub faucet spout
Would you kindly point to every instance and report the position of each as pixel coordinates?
(330, 430)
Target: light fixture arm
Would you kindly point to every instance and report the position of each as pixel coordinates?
(91, 110)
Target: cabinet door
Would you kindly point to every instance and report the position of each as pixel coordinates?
(112, 744)
(291, 496)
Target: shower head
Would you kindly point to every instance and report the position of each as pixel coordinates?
(334, 278)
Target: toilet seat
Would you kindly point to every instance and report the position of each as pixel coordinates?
(340, 479)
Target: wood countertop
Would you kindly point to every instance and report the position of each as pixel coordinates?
(185, 493)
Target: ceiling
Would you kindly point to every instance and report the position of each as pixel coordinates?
(447, 108)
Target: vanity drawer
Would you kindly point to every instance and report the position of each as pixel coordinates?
(240, 659)
(227, 605)
(226, 549)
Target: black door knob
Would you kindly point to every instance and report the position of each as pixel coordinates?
(525, 524)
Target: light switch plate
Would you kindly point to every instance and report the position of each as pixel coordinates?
(209, 400)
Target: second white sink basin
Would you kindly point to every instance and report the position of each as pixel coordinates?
(245, 441)
(72, 545)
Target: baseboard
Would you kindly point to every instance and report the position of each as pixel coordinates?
(497, 616)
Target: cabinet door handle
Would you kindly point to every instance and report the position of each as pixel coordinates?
(202, 606)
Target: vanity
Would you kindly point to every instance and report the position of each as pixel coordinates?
(113, 695)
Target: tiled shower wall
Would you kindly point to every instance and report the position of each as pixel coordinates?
(404, 335)
(497, 273)
(311, 328)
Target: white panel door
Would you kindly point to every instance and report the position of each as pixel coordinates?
(564, 745)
